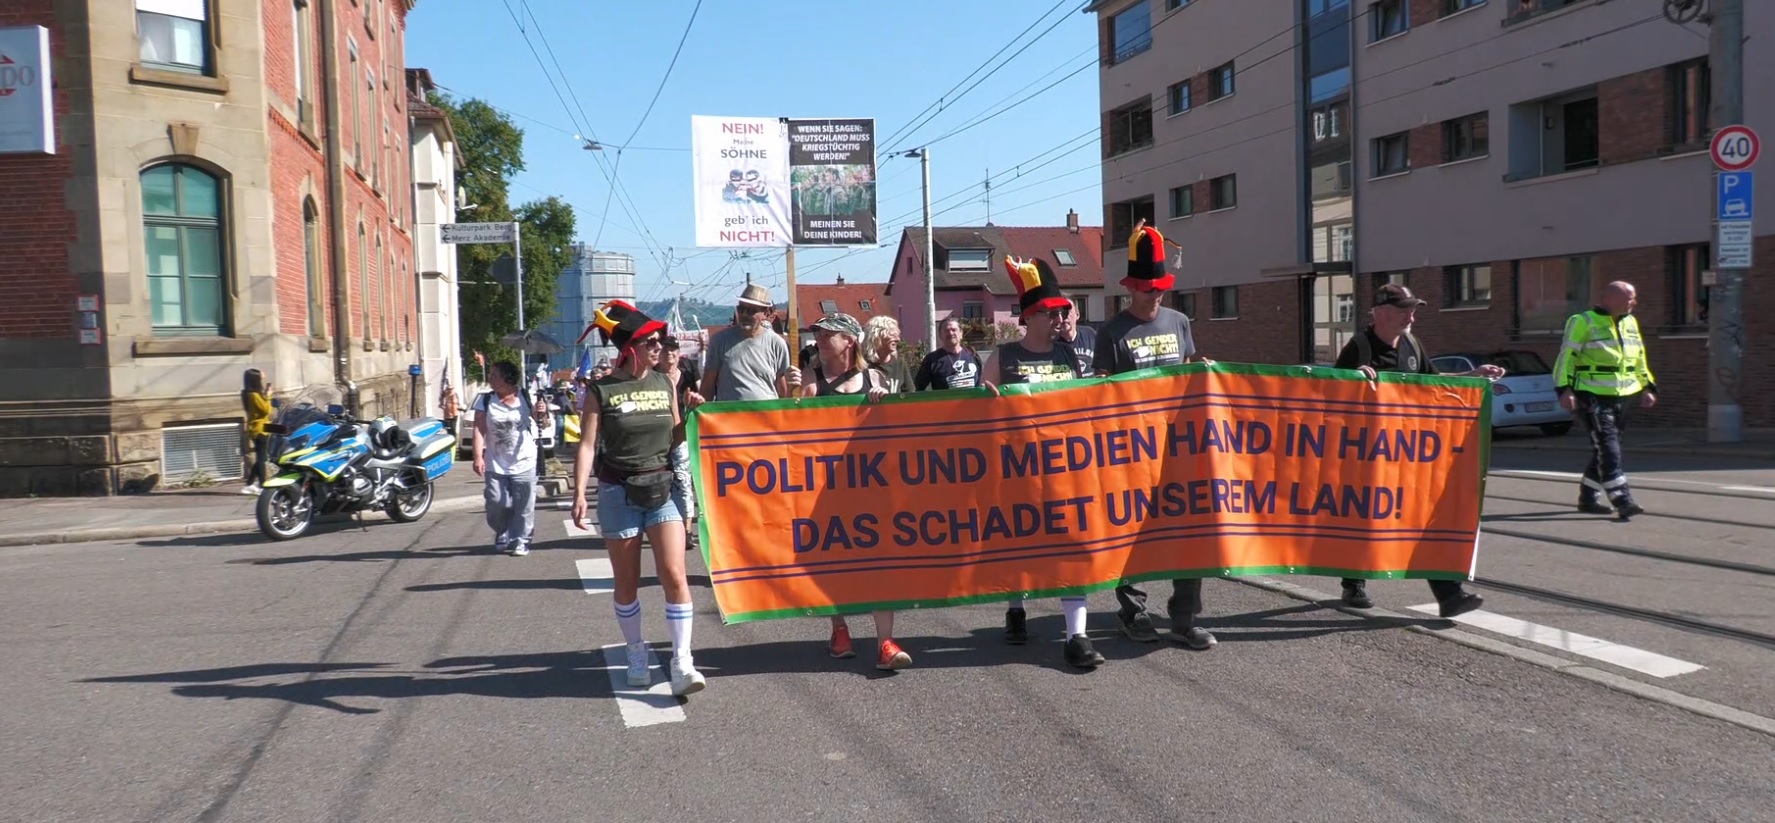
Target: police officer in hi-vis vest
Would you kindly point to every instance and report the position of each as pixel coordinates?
(1602, 363)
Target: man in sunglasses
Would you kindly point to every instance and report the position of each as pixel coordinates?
(749, 360)
(1143, 336)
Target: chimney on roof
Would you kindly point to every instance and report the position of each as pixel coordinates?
(1072, 221)
(841, 280)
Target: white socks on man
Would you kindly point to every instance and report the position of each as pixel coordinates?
(679, 618)
(1075, 614)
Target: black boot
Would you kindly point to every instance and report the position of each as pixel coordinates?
(1016, 627)
(1356, 595)
(1591, 505)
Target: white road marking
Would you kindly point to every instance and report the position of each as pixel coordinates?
(1533, 473)
(596, 575)
(641, 707)
(1756, 489)
(575, 531)
(1626, 657)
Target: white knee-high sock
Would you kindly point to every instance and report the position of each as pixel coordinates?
(678, 617)
(628, 616)
(1075, 614)
(1016, 603)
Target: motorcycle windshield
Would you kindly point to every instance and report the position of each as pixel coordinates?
(293, 427)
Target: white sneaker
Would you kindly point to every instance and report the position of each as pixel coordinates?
(685, 678)
(639, 657)
(521, 549)
(252, 489)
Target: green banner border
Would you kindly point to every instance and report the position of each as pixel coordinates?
(692, 436)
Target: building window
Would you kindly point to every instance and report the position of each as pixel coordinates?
(1223, 192)
(1130, 32)
(1220, 82)
(865, 305)
(1183, 201)
(1549, 291)
(1554, 136)
(182, 224)
(1331, 181)
(829, 306)
(1392, 278)
(1120, 304)
(1185, 302)
(1392, 154)
(357, 118)
(299, 33)
(1689, 100)
(1454, 6)
(378, 311)
(311, 253)
(1688, 298)
(1464, 138)
(1389, 18)
(391, 307)
(1178, 94)
(1081, 304)
(1130, 127)
(1226, 302)
(970, 260)
(363, 282)
(1122, 218)
(1064, 257)
(973, 310)
(1467, 285)
(1174, 5)
(174, 34)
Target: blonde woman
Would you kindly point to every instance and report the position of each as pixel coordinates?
(841, 369)
(881, 344)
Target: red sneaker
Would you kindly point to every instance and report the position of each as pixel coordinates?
(840, 644)
(892, 656)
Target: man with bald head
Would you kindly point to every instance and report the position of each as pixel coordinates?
(1602, 365)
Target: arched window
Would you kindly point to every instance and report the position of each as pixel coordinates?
(182, 223)
(311, 252)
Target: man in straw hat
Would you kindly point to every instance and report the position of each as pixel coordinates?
(749, 360)
(1147, 335)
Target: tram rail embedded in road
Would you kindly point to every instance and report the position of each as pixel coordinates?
(1649, 615)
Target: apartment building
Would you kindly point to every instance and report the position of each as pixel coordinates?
(227, 188)
(1503, 158)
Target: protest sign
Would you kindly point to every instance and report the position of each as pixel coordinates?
(833, 505)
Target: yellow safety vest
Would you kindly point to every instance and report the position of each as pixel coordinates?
(1603, 356)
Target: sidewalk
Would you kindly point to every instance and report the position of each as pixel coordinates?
(222, 509)
(1759, 444)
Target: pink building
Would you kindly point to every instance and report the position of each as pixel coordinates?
(970, 271)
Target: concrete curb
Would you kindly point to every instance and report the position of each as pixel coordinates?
(1610, 680)
(235, 526)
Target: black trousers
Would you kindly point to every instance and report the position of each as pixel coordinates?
(1604, 475)
(1184, 605)
(260, 446)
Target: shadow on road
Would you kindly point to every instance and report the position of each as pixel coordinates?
(700, 581)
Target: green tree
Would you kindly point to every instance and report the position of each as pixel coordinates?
(492, 148)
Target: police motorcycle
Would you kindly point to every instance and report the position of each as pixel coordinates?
(331, 463)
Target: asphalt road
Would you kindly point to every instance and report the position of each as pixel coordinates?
(403, 672)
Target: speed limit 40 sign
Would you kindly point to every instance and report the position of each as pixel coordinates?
(1735, 148)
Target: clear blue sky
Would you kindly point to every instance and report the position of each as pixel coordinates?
(767, 58)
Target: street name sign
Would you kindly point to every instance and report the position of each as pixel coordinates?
(479, 232)
(1735, 148)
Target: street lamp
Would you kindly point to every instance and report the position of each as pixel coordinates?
(930, 262)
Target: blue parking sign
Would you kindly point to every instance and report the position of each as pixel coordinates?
(1735, 200)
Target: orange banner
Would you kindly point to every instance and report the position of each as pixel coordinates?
(833, 505)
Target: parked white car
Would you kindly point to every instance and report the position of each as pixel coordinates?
(1524, 396)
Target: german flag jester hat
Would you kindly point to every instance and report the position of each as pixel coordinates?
(619, 323)
(1038, 289)
(1146, 260)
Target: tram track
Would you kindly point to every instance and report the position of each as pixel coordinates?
(1666, 618)
(1672, 486)
(1649, 554)
(1692, 518)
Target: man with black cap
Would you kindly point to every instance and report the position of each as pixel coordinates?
(1040, 358)
(1143, 336)
(1388, 345)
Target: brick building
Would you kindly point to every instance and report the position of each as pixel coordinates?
(229, 185)
(1504, 159)
(970, 271)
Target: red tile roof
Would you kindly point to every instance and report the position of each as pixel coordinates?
(848, 297)
(1085, 248)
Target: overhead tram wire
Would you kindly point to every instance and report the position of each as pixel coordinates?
(944, 101)
(614, 181)
(617, 170)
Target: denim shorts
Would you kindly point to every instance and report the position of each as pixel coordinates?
(620, 519)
